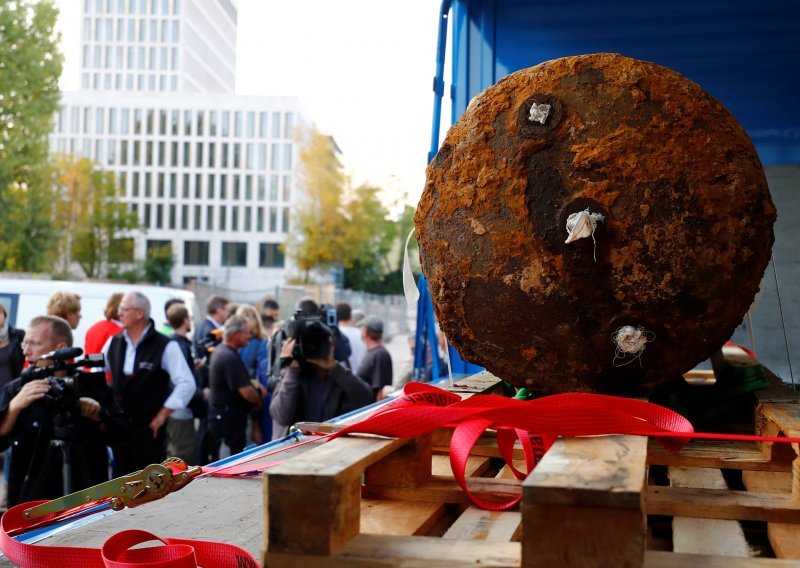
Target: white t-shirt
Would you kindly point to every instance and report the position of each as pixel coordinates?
(357, 347)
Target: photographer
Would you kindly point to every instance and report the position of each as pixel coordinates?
(36, 412)
(313, 386)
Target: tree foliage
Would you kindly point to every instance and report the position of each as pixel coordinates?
(159, 264)
(318, 239)
(88, 215)
(30, 66)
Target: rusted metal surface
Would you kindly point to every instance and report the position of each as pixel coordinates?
(685, 241)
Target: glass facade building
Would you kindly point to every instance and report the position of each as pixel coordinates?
(209, 173)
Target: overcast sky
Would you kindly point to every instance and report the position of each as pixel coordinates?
(363, 70)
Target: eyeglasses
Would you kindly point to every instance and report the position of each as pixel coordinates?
(32, 344)
(123, 309)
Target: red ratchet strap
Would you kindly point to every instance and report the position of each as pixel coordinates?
(536, 423)
(116, 551)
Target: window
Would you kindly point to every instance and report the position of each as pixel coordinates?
(222, 214)
(226, 123)
(276, 124)
(212, 123)
(224, 154)
(186, 179)
(248, 212)
(162, 121)
(187, 123)
(259, 219)
(270, 256)
(287, 156)
(287, 125)
(223, 186)
(212, 152)
(251, 126)
(287, 188)
(199, 119)
(262, 125)
(172, 214)
(195, 253)
(274, 159)
(112, 121)
(99, 122)
(273, 188)
(234, 218)
(123, 152)
(210, 218)
(184, 217)
(211, 184)
(147, 216)
(173, 159)
(156, 246)
(121, 251)
(187, 154)
(237, 123)
(135, 185)
(198, 217)
(234, 254)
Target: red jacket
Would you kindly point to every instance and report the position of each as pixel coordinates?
(98, 334)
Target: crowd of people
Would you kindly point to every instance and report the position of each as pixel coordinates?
(241, 377)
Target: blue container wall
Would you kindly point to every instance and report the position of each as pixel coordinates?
(746, 53)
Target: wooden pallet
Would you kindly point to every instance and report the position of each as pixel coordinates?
(590, 502)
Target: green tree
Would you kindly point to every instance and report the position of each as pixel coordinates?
(318, 238)
(30, 66)
(88, 214)
(159, 264)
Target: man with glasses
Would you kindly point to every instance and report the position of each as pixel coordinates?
(27, 423)
(150, 379)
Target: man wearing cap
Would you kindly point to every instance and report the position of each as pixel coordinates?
(376, 365)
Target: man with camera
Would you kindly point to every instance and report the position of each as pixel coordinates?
(233, 394)
(48, 421)
(313, 386)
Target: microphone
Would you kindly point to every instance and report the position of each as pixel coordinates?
(62, 354)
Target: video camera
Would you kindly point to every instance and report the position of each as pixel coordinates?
(312, 332)
(212, 339)
(67, 389)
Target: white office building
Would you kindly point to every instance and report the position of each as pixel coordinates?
(208, 172)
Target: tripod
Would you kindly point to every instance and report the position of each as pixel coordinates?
(62, 453)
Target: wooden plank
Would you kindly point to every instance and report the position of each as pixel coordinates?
(444, 489)
(489, 526)
(706, 536)
(661, 559)
(722, 504)
(583, 505)
(784, 538)
(399, 517)
(476, 466)
(422, 552)
(715, 454)
(315, 498)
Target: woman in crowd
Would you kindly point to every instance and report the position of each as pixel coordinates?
(255, 359)
(11, 358)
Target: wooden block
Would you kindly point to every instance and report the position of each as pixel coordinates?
(583, 505)
(403, 518)
(476, 466)
(722, 504)
(715, 454)
(406, 467)
(314, 499)
(706, 536)
(784, 538)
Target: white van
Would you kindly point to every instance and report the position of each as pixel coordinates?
(26, 299)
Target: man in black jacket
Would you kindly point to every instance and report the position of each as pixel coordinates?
(150, 379)
(45, 434)
(314, 386)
